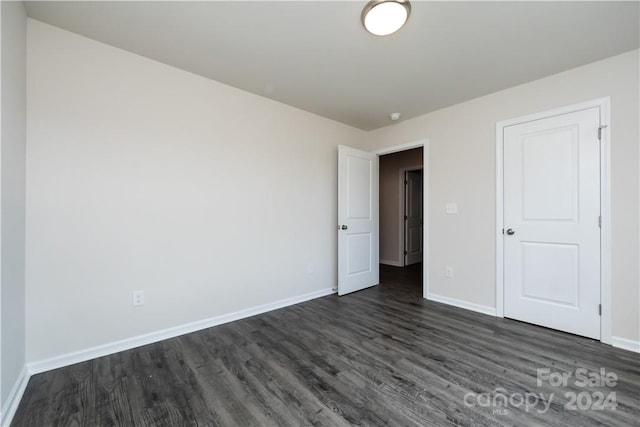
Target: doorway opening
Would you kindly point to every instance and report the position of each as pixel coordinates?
(401, 195)
(358, 216)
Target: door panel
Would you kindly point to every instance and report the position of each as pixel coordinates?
(359, 192)
(550, 272)
(552, 205)
(413, 225)
(358, 250)
(550, 174)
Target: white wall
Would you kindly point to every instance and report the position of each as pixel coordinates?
(390, 199)
(462, 169)
(143, 176)
(12, 212)
(13, 146)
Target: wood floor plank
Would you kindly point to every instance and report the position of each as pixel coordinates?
(382, 356)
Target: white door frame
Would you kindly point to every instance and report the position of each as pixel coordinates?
(424, 143)
(402, 213)
(605, 206)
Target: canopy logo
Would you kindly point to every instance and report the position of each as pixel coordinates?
(592, 394)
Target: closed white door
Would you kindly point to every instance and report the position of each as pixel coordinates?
(552, 222)
(413, 217)
(358, 266)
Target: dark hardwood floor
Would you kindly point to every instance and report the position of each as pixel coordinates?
(382, 356)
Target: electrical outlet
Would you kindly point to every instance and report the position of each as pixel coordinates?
(448, 271)
(451, 208)
(138, 298)
(310, 268)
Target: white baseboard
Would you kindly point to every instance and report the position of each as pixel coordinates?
(626, 344)
(13, 400)
(491, 311)
(392, 263)
(133, 342)
(623, 343)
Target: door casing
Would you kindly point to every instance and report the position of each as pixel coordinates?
(605, 206)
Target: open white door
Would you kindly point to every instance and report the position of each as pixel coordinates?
(358, 263)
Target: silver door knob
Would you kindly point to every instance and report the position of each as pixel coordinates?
(511, 232)
(344, 227)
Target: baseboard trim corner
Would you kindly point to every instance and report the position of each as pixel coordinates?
(626, 344)
(152, 337)
(491, 311)
(13, 400)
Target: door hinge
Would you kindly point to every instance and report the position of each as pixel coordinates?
(600, 221)
(600, 131)
(405, 252)
(406, 217)
(599, 309)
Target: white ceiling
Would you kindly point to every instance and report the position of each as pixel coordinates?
(316, 56)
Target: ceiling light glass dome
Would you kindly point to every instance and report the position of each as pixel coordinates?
(384, 17)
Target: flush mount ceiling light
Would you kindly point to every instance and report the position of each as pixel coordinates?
(384, 17)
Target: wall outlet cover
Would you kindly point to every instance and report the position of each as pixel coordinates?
(138, 298)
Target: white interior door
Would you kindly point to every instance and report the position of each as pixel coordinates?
(551, 222)
(413, 217)
(358, 259)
